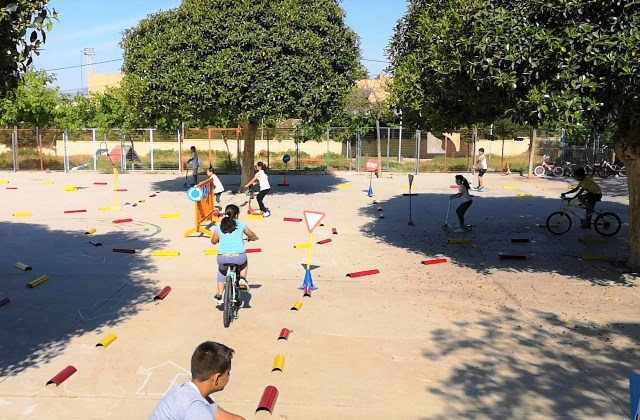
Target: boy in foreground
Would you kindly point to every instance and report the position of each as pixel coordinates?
(210, 370)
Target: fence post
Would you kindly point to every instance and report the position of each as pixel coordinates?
(151, 146)
(39, 141)
(388, 145)
(326, 158)
(400, 141)
(358, 151)
(418, 135)
(95, 155)
(65, 140)
(14, 148)
(179, 152)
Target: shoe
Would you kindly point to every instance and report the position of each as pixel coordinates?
(243, 283)
(266, 213)
(480, 189)
(459, 230)
(219, 299)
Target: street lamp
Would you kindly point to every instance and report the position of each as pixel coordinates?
(89, 52)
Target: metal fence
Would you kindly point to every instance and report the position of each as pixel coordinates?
(402, 150)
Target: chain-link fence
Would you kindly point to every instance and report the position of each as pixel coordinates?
(339, 148)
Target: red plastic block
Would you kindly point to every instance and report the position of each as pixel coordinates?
(75, 211)
(268, 400)
(99, 183)
(62, 376)
(7, 300)
(250, 250)
(123, 221)
(11, 188)
(163, 293)
(363, 273)
(152, 195)
(436, 261)
(453, 186)
(334, 231)
(121, 189)
(124, 251)
(284, 334)
(520, 240)
(307, 292)
(292, 219)
(324, 241)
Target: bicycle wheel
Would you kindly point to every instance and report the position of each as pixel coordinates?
(228, 304)
(558, 223)
(538, 171)
(603, 173)
(607, 224)
(558, 171)
(622, 172)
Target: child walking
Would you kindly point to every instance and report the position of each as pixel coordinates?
(218, 188)
(263, 179)
(463, 192)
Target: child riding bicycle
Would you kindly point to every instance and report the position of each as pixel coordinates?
(589, 194)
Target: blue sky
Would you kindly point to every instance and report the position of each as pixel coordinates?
(99, 24)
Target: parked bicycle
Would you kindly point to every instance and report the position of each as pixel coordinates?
(568, 168)
(548, 168)
(605, 223)
(607, 169)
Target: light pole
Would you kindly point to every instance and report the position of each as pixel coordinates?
(89, 52)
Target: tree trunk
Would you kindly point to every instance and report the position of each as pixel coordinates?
(629, 152)
(379, 170)
(532, 150)
(248, 153)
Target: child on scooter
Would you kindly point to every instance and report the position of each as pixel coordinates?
(463, 192)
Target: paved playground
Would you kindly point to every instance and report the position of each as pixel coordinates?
(548, 336)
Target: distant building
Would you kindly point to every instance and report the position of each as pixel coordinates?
(99, 82)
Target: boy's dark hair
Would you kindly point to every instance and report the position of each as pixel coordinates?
(209, 358)
(210, 168)
(481, 149)
(464, 181)
(192, 148)
(228, 222)
(580, 172)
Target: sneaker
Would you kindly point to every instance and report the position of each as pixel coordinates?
(459, 230)
(219, 299)
(480, 189)
(243, 283)
(266, 213)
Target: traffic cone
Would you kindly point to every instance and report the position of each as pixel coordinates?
(308, 282)
(284, 181)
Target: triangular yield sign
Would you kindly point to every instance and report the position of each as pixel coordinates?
(312, 219)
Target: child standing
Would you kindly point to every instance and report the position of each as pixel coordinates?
(218, 188)
(263, 179)
(195, 163)
(229, 235)
(482, 161)
(463, 192)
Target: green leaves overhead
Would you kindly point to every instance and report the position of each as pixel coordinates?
(222, 60)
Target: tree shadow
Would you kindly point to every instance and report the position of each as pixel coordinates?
(614, 187)
(495, 221)
(506, 364)
(89, 287)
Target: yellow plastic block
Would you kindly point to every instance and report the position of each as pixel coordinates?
(255, 216)
(166, 253)
(4, 182)
(511, 187)
(70, 188)
(38, 281)
(170, 216)
(459, 241)
(48, 182)
(406, 186)
(210, 252)
(105, 208)
(110, 338)
(591, 240)
(300, 246)
(344, 185)
(25, 214)
(570, 187)
(278, 363)
(23, 266)
(523, 195)
(90, 231)
(595, 257)
(297, 306)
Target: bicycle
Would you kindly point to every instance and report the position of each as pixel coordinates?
(548, 168)
(606, 223)
(607, 169)
(232, 298)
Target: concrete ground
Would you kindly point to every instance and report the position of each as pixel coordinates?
(550, 336)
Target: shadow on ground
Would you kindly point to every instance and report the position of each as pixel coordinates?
(89, 288)
(497, 220)
(503, 361)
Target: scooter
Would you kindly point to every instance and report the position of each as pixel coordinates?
(447, 226)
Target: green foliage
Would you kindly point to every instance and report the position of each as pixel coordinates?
(23, 28)
(228, 61)
(32, 103)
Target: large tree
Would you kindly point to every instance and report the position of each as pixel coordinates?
(31, 103)
(23, 26)
(237, 61)
(569, 62)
